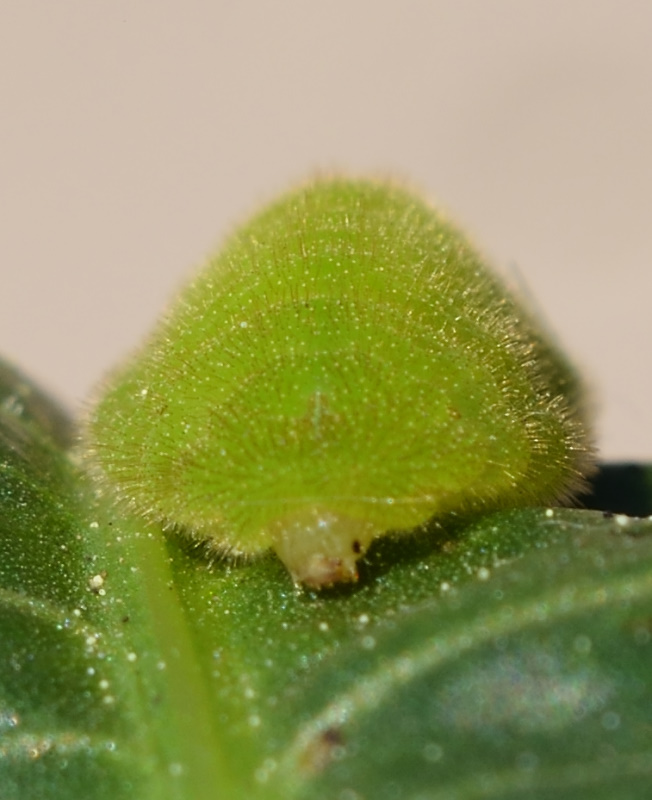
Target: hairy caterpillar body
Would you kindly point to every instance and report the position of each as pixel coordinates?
(345, 366)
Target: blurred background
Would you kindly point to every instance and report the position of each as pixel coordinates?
(135, 134)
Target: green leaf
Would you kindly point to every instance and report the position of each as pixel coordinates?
(506, 657)
(57, 732)
(21, 399)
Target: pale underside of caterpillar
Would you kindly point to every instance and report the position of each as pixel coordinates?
(345, 366)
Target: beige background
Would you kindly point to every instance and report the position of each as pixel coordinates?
(133, 134)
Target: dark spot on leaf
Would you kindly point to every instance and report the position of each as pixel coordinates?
(323, 750)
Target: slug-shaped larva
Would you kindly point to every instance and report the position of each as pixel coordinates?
(345, 366)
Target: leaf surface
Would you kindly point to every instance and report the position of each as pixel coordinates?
(504, 657)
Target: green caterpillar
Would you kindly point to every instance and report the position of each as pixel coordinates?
(345, 366)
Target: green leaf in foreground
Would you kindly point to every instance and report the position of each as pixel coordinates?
(509, 658)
